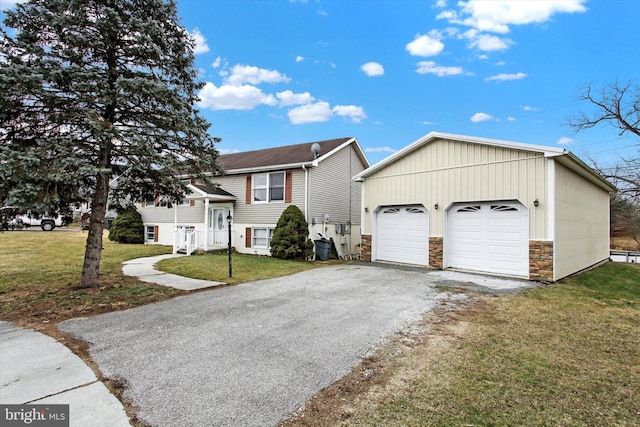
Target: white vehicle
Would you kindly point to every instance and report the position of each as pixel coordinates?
(47, 223)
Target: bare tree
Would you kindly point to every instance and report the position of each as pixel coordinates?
(617, 105)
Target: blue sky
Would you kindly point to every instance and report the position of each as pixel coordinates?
(388, 72)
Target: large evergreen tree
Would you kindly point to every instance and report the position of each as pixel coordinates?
(98, 104)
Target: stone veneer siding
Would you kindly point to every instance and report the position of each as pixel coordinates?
(436, 249)
(365, 248)
(541, 260)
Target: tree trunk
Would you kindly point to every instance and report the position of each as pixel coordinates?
(93, 251)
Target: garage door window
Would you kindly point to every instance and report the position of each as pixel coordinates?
(469, 209)
(503, 208)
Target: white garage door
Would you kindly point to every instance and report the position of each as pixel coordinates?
(488, 236)
(402, 235)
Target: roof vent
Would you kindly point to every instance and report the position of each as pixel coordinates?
(315, 149)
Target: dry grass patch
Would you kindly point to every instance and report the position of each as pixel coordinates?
(563, 355)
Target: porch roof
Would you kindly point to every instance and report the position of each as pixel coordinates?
(199, 191)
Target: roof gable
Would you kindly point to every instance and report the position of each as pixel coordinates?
(280, 157)
(564, 156)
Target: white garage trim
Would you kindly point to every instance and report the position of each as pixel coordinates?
(402, 235)
(489, 237)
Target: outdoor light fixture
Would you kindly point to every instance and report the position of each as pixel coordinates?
(536, 203)
(436, 206)
(229, 219)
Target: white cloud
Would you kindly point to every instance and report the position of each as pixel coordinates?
(216, 63)
(310, 113)
(232, 97)
(321, 112)
(241, 74)
(496, 16)
(201, 42)
(426, 122)
(565, 141)
(287, 97)
(504, 77)
(426, 44)
(530, 108)
(299, 58)
(354, 112)
(511, 119)
(481, 117)
(373, 69)
(430, 67)
(380, 150)
(488, 43)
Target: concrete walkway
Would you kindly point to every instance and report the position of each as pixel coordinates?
(36, 369)
(144, 269)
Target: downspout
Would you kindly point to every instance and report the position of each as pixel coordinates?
(306, 192)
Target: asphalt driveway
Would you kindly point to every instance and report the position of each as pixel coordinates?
(251, 354)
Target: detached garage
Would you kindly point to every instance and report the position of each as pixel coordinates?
(452, 201)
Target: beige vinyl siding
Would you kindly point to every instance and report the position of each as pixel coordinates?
(447, 171)
(332, 190)
(582, 223)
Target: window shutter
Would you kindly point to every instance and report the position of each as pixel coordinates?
(155, 233)
(247, 237)
(288, 184)
(192, 202)
(248, 192)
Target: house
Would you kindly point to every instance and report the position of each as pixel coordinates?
(452, 201)
(258, 186)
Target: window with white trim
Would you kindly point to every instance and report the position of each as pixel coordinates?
(149, 233)
(261, 237)
(268, 187)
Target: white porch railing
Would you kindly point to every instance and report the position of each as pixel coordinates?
(191, 240)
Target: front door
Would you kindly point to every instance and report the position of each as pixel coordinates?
(217, 219)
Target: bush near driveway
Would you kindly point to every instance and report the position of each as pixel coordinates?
(290, 239)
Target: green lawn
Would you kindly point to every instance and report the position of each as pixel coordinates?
(245, 267)
(39, 272)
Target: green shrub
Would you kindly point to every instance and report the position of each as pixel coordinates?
(290, 239)
(127, 227)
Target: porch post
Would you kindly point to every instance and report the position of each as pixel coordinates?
(206, 224)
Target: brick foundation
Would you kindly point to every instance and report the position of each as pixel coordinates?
(541, 260)
(436, 249)
(365, 248)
